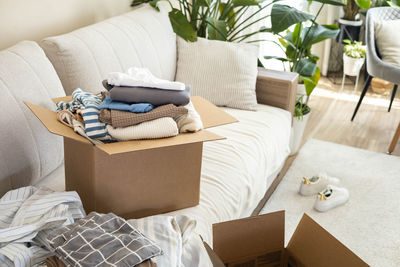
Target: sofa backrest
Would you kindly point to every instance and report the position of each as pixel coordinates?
(141, 38)
(28, 152)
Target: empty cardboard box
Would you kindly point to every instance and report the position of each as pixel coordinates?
(260, 241)
(136, 178)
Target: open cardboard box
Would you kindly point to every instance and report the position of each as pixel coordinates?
(136, 178)
(260, 241)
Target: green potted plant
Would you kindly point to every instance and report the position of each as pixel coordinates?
(298, 32)
(214, 19)
(353, 57)
(350, 24)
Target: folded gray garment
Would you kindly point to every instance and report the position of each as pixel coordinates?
(101, 240)
(156, 97)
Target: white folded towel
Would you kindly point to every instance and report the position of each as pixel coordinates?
(158, 128)
(142, 77)
(190, 122)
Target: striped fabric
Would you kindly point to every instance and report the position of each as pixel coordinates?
(88, 103)
(27, 215)
(101, 240)
(94, 128)
(80, 99)
(177, 237)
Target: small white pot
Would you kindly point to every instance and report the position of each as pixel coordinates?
(297, 133)
(356, 23)
(352, 66)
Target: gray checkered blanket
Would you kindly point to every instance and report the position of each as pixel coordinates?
(101, 240)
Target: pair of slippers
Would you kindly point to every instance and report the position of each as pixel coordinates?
(329, 194)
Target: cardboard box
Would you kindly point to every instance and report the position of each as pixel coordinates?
(260, 241)
(136, 178)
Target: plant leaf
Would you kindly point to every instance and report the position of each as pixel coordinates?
(306, 67)
(319, 33)
(311, 82)
(277, 58)
(394, 3)
(181, 25)
(205, 3)
(154, 3)
(283, 16)
(331, 2)
(364, 4)
(237, 3)
(216, 29)
(139, 2)
(230, 17)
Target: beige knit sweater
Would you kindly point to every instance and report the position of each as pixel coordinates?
(158, 128)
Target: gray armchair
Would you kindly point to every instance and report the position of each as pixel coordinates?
(375, 66)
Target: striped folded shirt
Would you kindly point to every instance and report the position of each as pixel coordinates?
(94, 128)
(80, 99)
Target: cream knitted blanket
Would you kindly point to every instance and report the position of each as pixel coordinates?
(158, 128)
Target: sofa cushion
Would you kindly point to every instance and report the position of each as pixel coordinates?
(28, 151)
(224, 73)
(140, 38)
(388, 43)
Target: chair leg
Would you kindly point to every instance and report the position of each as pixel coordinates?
(364, 91)
(394, 140)
(392, 98)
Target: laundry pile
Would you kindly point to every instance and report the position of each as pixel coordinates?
(136, 105)
(40, 227)
(27, 215)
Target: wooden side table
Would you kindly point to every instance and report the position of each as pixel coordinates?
(394, 140)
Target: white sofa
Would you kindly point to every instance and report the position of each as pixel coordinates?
(236, 172)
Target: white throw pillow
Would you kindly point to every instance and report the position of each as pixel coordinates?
(388, 40)
(224, 73)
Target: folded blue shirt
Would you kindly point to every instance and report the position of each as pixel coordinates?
(135, 108)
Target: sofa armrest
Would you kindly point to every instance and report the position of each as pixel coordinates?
(277, 88)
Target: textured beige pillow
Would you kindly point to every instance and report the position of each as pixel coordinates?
(388, 40)
(224, 73)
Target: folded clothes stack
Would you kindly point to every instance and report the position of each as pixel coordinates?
(137, 105)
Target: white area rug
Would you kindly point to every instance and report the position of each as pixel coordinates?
(369, 224)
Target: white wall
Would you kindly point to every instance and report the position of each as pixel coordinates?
(36, 19)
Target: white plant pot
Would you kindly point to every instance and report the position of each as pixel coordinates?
(297, 133)
(356, 23)
(352, 66)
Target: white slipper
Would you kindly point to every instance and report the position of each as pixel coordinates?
(314, 185)
(331, 197)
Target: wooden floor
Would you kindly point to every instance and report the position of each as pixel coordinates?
(332, 108)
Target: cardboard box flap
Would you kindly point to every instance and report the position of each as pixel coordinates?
(215, 260)
(253, 236)
(49, 120)
(210, 114)
(135, 145)
(312, 245)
